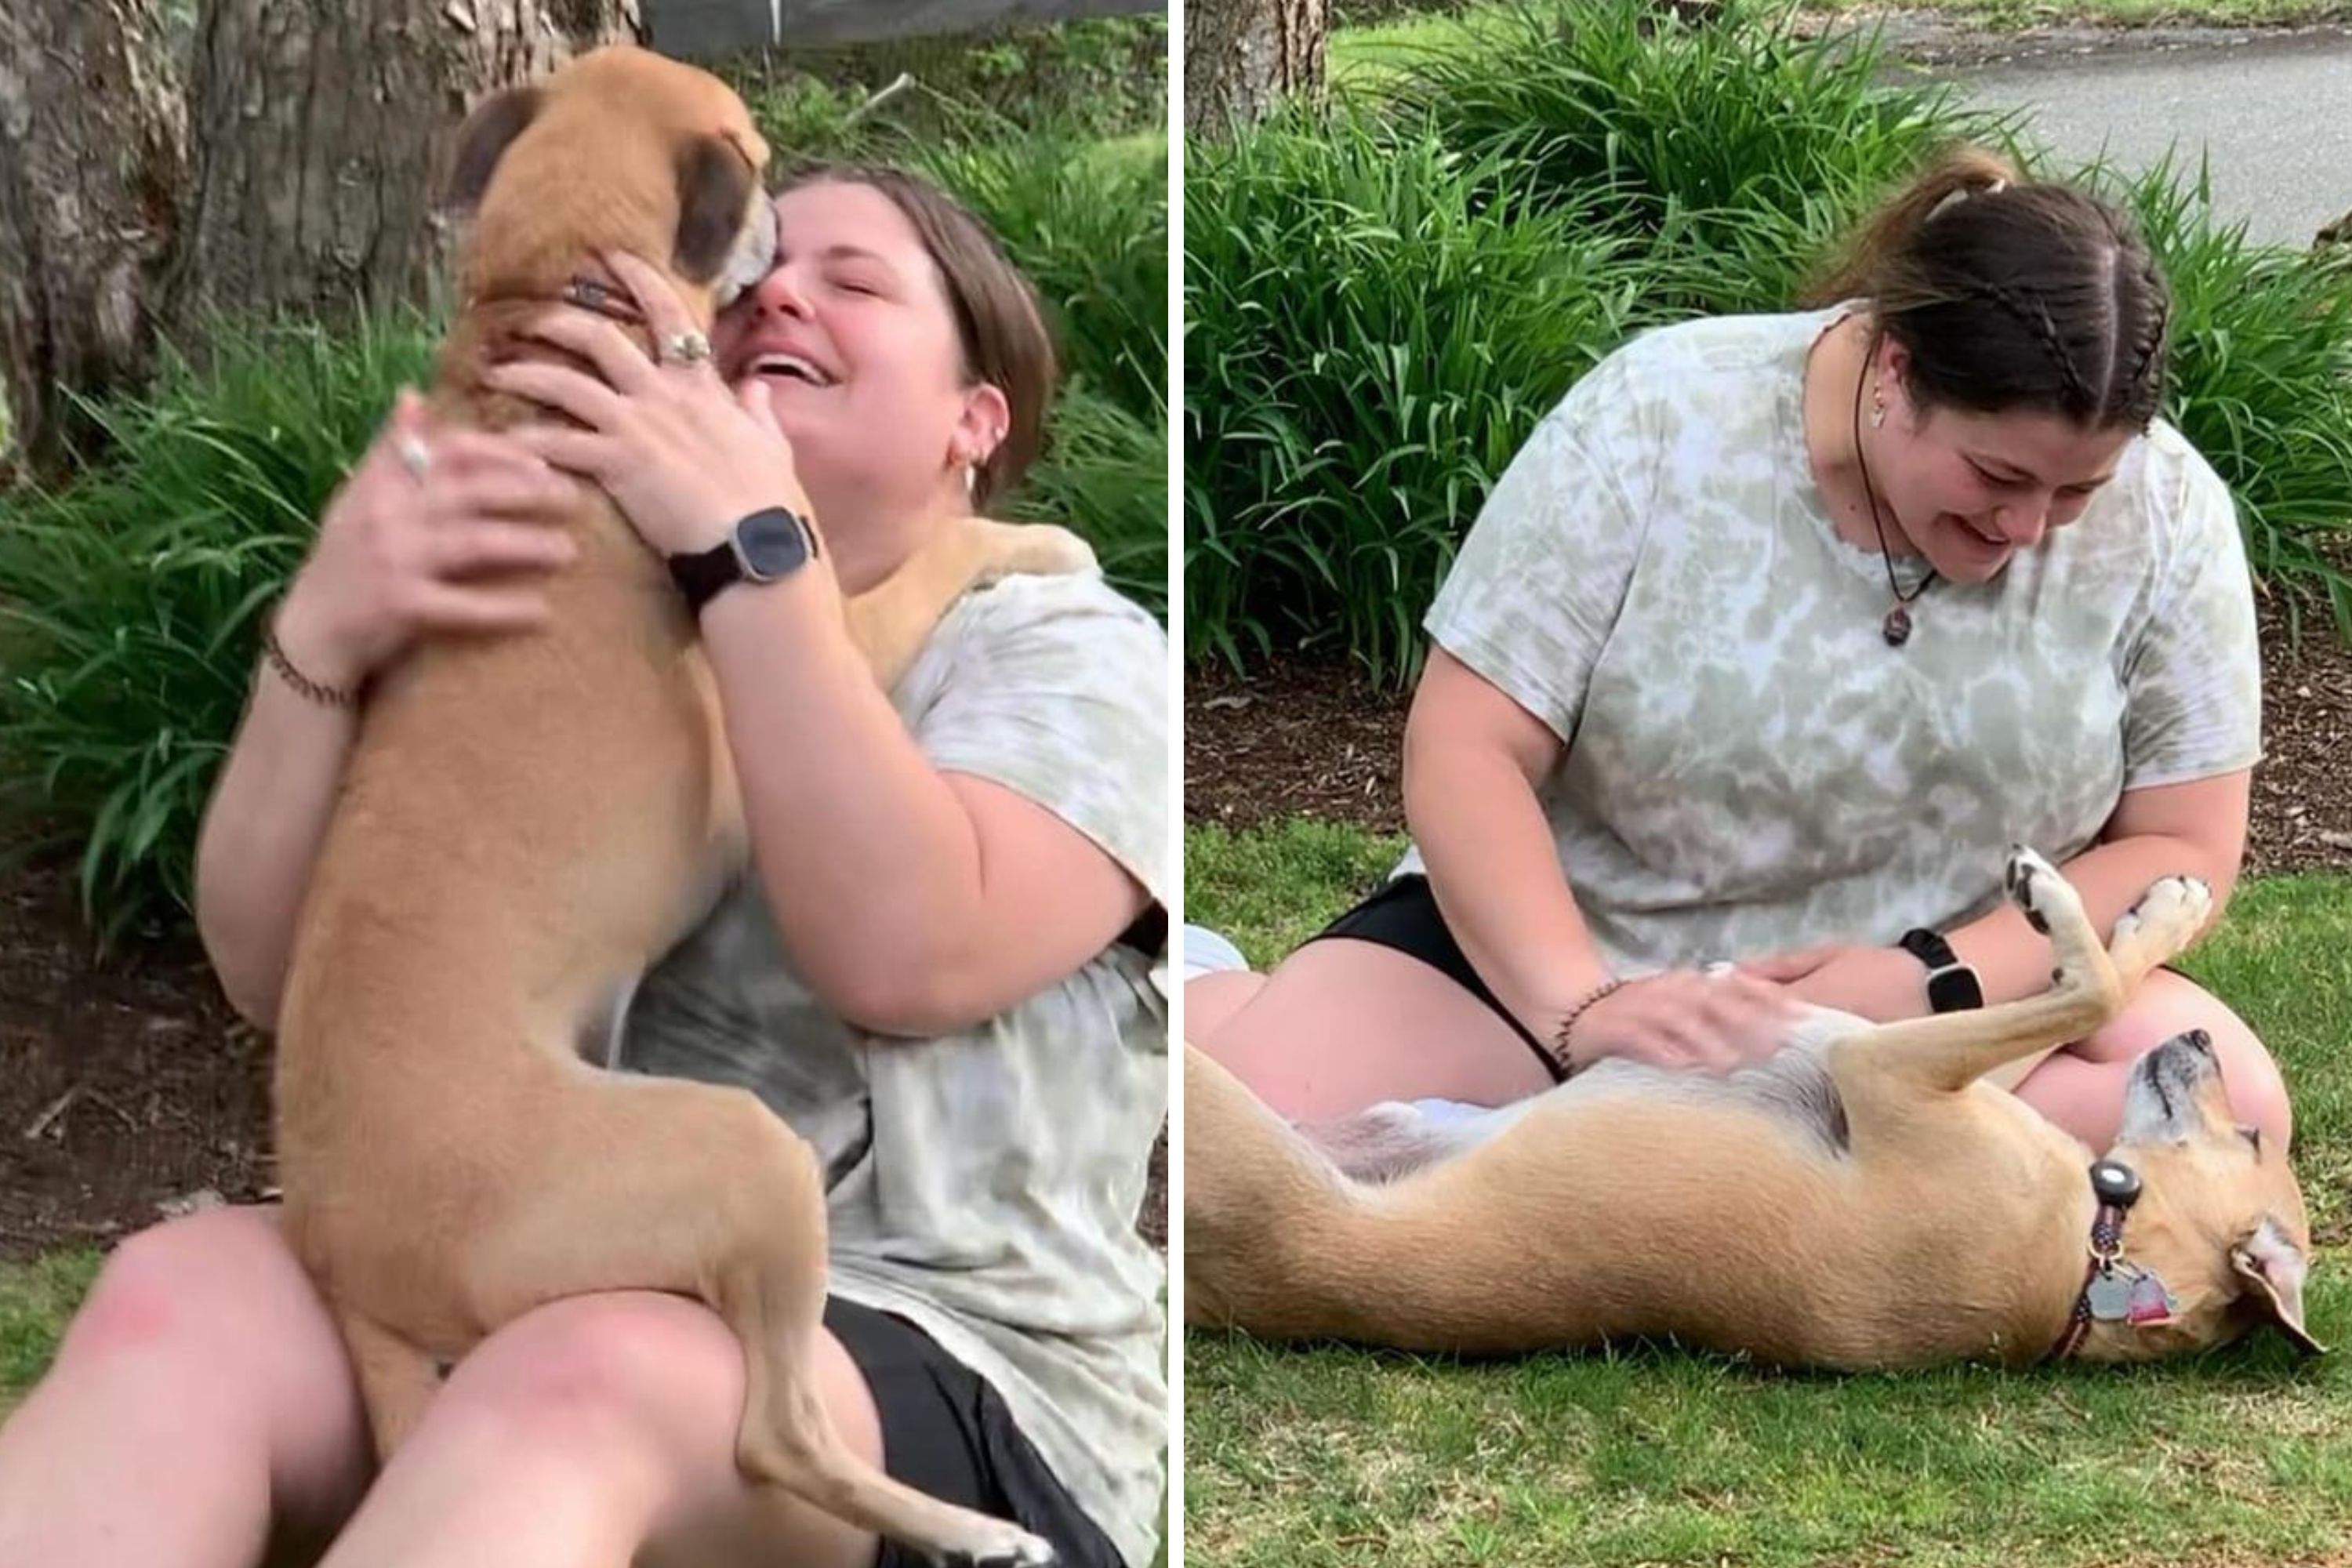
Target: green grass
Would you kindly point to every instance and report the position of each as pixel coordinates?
(1340, 1456)
(36, 1298)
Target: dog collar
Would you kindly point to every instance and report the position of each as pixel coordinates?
(2115, 1290)
(604, 296)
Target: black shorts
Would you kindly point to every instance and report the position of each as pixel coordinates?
(946, 1431)
(1403, 917)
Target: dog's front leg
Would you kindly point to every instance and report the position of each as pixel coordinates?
(2088, 986)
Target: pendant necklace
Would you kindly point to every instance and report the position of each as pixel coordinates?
(1897, 627)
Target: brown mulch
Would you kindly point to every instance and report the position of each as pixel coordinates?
(1314, 739)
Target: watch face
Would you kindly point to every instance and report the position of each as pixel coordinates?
(770, 545)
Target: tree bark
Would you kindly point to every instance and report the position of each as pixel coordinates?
(1243, 57)
(91, 144)
(320, 130)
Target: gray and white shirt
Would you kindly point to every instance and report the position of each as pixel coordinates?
(986, 1185)
(1749, 766)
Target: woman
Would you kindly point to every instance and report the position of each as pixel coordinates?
(938, 973)
(1774, 635)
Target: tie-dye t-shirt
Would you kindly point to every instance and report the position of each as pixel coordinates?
(1749, 766)
(986, 1185)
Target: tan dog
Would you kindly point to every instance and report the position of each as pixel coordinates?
(527, 824)
(1865, 1201)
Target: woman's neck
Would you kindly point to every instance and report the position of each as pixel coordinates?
(871, 542)
(1837, 374)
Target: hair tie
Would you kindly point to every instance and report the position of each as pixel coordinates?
(1953, 199)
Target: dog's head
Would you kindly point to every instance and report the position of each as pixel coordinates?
(621, 150)
(2219, 1219)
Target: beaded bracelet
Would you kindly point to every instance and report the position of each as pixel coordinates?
(1561, 1057)
(331, 696)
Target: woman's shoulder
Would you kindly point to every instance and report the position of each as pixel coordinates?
(1729, 361)
(1067, 631)
(1034, 606)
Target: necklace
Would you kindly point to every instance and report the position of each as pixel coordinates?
(1897, 627)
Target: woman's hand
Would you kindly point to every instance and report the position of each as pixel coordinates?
(1681, 1018)
(681, 454)
(426, 536)
(1881, 983)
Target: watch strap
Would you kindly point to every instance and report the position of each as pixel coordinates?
(701, 573)
(1952, 985)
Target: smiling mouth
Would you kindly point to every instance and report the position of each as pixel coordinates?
(1979, 535)
(789, 367)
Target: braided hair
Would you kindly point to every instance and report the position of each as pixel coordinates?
(2010, 295)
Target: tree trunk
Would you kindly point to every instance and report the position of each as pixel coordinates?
(320, 132)
(91, 160)
(1243, 57)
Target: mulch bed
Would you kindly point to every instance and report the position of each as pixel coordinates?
(1314, 739)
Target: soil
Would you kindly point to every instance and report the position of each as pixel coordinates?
(1310, 739)
(131, 1091)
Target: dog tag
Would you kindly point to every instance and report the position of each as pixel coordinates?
(2111, 1297)
(2151, 1303)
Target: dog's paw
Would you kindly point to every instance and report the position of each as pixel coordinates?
(2035, 886)
(1006, 1546)
(2172, 910)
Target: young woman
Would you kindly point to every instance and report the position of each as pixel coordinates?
(940, 975)
(1775, 635)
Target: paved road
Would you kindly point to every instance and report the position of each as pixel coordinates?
(2274, 114)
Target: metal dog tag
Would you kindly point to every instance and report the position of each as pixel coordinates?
(2151, 1303)
(2111, 1294)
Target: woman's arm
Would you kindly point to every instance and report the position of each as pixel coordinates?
(1473, 760)
(2196, 829)
(399, 556)
(915, 902)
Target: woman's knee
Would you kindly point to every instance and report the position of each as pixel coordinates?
(2170, 1004)
(220, 1290)
(633, 1378)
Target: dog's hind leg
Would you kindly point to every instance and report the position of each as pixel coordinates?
(396, 1379)
(2088, 986)
(662, 1185)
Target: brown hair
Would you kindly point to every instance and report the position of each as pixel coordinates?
(998, 320)
(2011, 294)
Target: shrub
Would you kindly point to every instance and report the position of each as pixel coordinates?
(1373, 323)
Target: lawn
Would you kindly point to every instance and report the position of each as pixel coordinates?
(1649, 1456)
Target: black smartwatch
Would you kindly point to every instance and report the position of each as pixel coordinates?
(1952, 986)
(772, 543)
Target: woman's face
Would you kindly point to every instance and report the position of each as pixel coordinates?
(1971, 490)
(852, 333)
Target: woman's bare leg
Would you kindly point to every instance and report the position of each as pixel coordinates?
(200, 1405)
(2082, 1087)
(596, 1432)
(1343, 1023)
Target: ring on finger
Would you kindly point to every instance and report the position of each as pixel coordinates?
(414, 456)
(689, 347)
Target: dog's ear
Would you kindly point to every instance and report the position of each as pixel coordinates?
(2273, 1269)
(496, 121)
(715, 186)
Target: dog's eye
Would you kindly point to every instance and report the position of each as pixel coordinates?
(2253, 1137)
